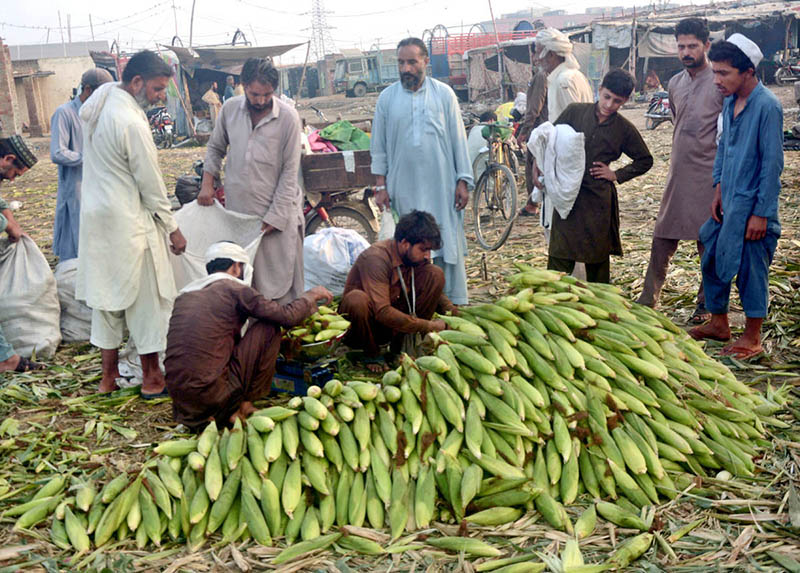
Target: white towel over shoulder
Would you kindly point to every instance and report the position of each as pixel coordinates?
(560, 156)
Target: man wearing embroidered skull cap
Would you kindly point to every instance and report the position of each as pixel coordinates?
(741, 236)
(212, 371)
(15, 159)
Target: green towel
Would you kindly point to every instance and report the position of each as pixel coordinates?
(345, 136)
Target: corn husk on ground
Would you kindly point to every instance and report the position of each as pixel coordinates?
(560, 395)
(53, 423)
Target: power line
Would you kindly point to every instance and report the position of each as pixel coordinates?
(378, 13)
(273, 10)
(112, 21)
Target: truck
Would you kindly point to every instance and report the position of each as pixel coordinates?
(358, 73)
(447, 54)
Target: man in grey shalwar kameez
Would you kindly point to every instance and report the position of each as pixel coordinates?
(259, 137)
(419, 154)
(66, 151)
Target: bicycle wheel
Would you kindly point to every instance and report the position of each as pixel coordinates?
(494, 207)
(345, 218)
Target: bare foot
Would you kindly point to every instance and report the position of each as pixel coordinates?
(529, 210)
(716, 329)
(154, 384)
(152, 379)
(108, 384)
(741, 352)
(746, 346)
(376, 365)
(9, 365)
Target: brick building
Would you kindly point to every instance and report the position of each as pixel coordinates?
(36, 79)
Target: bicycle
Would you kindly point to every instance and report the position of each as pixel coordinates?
(494, 207)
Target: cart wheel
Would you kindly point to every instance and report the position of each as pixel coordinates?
(650, 124)
(344, 218)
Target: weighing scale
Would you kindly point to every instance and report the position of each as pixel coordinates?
(294, 377)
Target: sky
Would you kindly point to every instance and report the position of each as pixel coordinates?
(353, 23)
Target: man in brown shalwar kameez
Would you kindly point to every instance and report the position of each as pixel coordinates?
(696, 103)
(212, 371)
(389, 282)
(260, 135)
(590, 233)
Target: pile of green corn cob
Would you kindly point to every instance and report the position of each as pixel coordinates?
(523, 405)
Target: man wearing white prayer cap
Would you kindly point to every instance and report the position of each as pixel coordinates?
(566, 84)
(212, 372)
(742, 234)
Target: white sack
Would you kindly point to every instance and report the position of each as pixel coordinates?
(29, 313)
(203, 226)
(76, 317)
(328, 255)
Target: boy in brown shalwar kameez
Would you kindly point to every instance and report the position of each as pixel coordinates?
(590, 233)
(212, 371)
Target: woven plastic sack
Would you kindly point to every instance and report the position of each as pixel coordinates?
(76, 317)
(30, 313)
(203, 226)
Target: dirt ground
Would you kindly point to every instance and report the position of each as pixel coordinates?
(61, 401)
(639, 201)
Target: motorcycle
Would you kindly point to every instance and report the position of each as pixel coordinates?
(788, 73)
(659, 111)
(162, 126)
(187, 187)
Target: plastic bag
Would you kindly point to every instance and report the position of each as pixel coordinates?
(328, 255)
(30, 313)
(76, 317)
(388, 224)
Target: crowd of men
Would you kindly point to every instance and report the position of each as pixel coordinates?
(221, 334)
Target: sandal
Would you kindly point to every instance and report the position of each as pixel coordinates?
(742, 354)
(26, 365)
(377, 361)
(525, 213)
(700, 316)
(155, 396)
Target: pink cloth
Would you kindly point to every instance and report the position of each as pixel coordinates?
(319, 145)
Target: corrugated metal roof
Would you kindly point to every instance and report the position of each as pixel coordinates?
(48, 51)
(228, 59)
(721, 13)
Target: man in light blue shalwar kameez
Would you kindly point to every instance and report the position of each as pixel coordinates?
(66, 151)
(419, 155)
(741, 236)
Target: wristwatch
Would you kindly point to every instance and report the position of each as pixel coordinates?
(380, 188)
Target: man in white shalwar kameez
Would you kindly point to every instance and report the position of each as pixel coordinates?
(566, 84)
(419, 155)
(124, 273)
